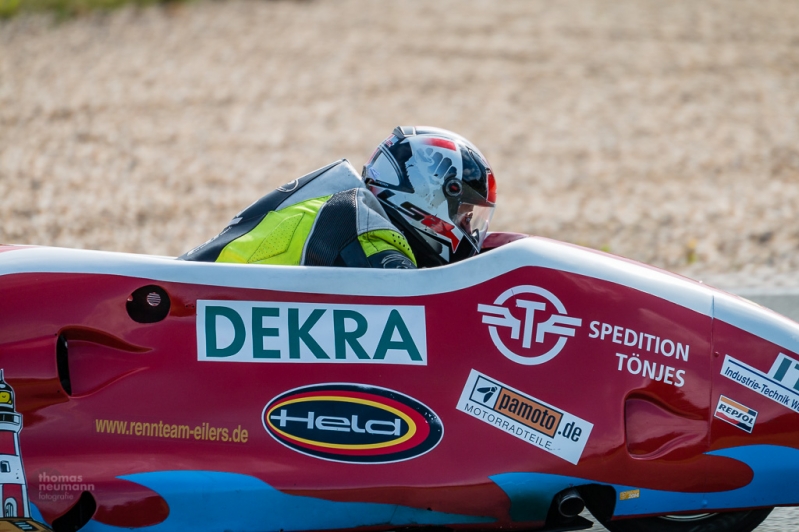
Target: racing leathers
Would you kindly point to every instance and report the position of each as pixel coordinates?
(326, 218)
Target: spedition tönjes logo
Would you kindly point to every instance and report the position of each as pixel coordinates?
(352, 423)
(540, 330)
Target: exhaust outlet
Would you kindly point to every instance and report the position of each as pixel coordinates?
(570, 504)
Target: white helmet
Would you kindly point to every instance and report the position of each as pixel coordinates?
(437, 188)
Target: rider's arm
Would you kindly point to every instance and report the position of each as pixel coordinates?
(385, 248)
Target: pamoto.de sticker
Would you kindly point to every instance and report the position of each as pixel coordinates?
(525, 417)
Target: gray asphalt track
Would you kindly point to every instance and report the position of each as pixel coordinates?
(786, 302)
(780, 520)
(783, 300)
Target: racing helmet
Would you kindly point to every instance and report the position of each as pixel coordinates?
(437, 188)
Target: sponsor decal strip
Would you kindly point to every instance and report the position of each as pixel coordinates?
(629, 494)
(643, 348)
(759, 382)
(353, 423)
(411, 432)
(525, 417)
(736, 414)
(262, 331)
(202, 432)
(531, 339)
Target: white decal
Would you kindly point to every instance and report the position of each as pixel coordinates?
(559, 325)
(643, 345)
(525, 417)
(736, 414)
(255, 331)
(785, 370)
(639, 340)
(764, 384)
(652, 370)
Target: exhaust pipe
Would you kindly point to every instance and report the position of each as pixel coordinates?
(570, 504)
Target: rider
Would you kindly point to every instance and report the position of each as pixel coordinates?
(425, 198)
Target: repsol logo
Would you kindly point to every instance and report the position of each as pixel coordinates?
(352, 423)
(736, 414)
(247, 331)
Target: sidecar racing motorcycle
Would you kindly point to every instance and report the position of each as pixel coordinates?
(507, 391)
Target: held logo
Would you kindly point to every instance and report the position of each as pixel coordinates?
(539, 332)
(255, 331)
(352, 423)
(736, 414)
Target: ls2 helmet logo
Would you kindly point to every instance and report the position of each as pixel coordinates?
(539, 332)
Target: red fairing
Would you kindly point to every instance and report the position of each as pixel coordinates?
(4, 248)
(495, 240)
(419, 389)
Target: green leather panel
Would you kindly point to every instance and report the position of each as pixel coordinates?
(380, 240)
(280, 237)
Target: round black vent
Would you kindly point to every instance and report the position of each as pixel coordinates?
(148, 304)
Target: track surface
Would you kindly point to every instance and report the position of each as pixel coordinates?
(780, 520)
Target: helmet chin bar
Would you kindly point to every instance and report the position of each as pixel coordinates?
(437, 247)
(426, 255)
(465, 250)
(428, 250)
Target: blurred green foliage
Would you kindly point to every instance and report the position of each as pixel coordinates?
(63, 9)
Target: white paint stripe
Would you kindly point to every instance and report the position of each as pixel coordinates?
(534, 251)
(757, 320)
(368, 282)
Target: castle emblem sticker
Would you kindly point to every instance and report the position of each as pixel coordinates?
(352, 423)
(525, 417)
(538, 334)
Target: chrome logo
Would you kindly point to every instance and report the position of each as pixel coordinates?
(352, 423)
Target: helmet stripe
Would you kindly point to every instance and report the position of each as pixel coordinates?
(439, 143)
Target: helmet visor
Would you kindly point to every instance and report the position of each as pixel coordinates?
(473, 220)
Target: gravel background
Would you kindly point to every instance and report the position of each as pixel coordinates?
(667, 132)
